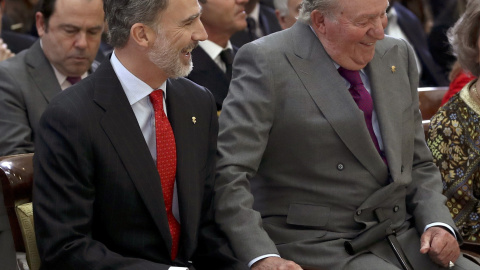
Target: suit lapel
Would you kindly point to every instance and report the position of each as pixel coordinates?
(121, 126)
(313, 65)
(180, 115)
(387, 95)
(41, 72)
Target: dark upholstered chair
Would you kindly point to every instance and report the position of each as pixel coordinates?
(16, 176)
(430, 99)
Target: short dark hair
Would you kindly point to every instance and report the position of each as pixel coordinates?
(46, 7)
(122, 14)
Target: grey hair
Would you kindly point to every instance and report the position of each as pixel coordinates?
(326, 7)
(122, 14)
(281, 6)
(463, 37)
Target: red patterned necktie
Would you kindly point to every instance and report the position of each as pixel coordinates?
(166, 163)
(363, 100)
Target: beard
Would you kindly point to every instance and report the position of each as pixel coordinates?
(166, 57)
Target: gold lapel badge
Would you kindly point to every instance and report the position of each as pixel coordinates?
(394, 69)
(194, 120)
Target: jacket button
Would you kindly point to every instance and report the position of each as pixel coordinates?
(340, 166)
(396, 208)
(359, 212)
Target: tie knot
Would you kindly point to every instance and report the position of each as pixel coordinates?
(352, 76)
(251, 24)
(227, 56)
(74, 80)
(156, 97)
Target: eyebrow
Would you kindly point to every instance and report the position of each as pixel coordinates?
(193, 17)
(66, 25)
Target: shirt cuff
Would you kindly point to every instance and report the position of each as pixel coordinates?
(177, 268)
(261, 257)
(442, 225)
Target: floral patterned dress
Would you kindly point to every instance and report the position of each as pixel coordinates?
(454, 139)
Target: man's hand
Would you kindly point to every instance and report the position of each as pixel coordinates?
(275, 263)
(5, 53)
(441, 246)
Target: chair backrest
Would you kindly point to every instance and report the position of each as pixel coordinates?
(16, 175)
(430, 100)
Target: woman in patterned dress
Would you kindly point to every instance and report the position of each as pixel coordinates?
(454, 134)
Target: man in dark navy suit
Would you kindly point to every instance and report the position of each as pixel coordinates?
(403, 23)
(124, 161)
(212, 60)
(261, 21)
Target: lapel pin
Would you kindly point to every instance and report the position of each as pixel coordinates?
(394, 69)
(194, 120)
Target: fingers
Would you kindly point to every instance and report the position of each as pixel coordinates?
(443, 247)
(275, 263)
(5, 53)
(425, 242)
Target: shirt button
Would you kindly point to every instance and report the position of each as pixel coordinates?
(396, 208)
(359, 212)
(340, 167)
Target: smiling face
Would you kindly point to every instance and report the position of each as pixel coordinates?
(71, 39)
(350, 34)
(178, 32)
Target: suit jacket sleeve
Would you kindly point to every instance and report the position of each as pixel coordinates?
(15, 131)
(424, 194)
(240, 149)
(64, 196)
(213, 250)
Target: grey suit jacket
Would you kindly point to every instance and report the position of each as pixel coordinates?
(27, 84)
(291, 132)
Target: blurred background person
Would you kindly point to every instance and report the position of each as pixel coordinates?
(213, 58)
(261, 21)
(20, 16)
(287, 12)
(454, 131)
(12, 42)
(403, 23)
(445, 18)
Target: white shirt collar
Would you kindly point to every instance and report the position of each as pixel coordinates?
(212, 49)
(134, 88)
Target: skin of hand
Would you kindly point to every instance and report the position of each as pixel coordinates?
(441, 246)
(5, 53)
(275, 263)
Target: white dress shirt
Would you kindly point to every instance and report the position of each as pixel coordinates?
(213, 50)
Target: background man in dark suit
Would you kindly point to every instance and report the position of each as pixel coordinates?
(402, 23)
(212, 59)
(309, 158)
(70, 33)
(118, 185)
(261, 21)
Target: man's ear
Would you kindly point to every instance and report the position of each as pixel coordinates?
(40, 23)
(318, 21)
(142, 34)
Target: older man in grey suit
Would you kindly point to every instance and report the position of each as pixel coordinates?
(70, 34)
(311, 156)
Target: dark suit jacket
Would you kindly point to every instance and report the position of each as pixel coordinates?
(268, 23)
(98, 200)
(432, 74)
(207, 73)
(17, 42)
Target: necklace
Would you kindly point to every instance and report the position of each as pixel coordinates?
(474, 89)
